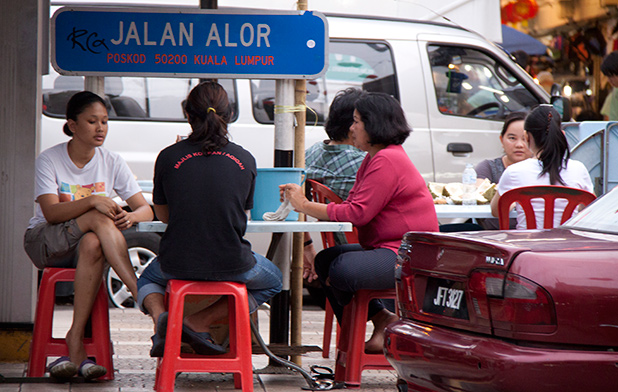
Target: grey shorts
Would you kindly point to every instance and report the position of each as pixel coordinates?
(55, 245)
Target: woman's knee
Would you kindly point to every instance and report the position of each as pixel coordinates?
(323, 260)
(90, 248)
(341, 280)
(94, 220)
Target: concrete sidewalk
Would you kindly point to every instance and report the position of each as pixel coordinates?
(135, 370)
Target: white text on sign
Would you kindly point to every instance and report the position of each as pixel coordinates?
(249, 35)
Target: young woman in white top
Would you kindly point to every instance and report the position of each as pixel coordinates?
(549, 165)
(78, 225)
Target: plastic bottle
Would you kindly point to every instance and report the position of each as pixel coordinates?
(468, 180)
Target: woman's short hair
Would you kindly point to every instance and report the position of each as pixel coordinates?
(77, 104)
(510, 119)
(385, 122)
(208, 111)
(341, 114)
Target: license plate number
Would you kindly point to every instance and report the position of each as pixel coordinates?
(445, 297)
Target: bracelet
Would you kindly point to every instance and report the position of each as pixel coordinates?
(309, 242)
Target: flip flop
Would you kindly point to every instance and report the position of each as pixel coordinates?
(90, 370)
(158, 339)
(201, 342)
(62, 368)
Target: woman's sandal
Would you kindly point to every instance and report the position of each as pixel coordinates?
(201, 342)
(62, 368)
(158, 339)
(90, 370)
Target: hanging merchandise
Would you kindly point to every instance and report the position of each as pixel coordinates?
(594, 41)
(577, 48)
(557, 47)
(614, 33)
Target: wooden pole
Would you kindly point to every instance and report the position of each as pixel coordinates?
(596, 82)
(300, 94)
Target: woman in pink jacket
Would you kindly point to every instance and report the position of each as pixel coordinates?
(389, 198)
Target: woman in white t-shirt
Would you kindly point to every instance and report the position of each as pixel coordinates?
(549, 165)
(78, 225)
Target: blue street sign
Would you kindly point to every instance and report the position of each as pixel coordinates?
(189, 43)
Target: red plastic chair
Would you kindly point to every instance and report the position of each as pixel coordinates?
(323, 194)
(549, 193)
(237, 360)
(351, 356)
(44, 345)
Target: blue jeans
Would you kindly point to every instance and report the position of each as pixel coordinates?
(263, 281)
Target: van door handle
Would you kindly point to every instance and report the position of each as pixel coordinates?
(459, 148)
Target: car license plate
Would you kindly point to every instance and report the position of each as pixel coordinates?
(446, 298)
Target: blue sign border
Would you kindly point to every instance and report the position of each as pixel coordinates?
(181, 42)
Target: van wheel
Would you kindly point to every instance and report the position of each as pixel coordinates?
(143, 248)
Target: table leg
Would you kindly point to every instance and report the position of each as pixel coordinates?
(280, 303)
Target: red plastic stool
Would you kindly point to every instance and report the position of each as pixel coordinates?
(44, 345)
(328, 330)
(237, 360)
(351, 357)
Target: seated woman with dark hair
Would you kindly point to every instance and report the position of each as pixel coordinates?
(388, 199)
(203, 189)
(550, 165)
(512, 138)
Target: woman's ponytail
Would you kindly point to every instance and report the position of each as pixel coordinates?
(208, 111)
(543, 125)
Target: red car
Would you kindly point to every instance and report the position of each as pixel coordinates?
(518, 310)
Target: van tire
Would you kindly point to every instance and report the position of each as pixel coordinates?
(143, 248)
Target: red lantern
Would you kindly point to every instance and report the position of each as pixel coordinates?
(506, 13)
(518, 11)
(526, 9)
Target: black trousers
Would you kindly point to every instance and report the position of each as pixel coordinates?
(349, 268)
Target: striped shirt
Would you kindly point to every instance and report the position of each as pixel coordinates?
(334, 165)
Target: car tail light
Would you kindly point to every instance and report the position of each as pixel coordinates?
(512, 303)
(405, 296)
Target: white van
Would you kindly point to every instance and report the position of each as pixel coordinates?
(454, 86)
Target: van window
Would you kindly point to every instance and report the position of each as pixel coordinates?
(470, 83)
(131, 98)
(363, 65)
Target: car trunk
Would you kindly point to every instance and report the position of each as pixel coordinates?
(530, 286)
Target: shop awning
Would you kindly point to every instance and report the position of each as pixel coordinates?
(513, 40)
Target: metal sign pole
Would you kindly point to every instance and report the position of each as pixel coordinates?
(284, 150)
(95, 84)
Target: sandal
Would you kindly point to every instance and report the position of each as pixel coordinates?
(90, 370)
(62, 368)
(158, 339)
(201, 342)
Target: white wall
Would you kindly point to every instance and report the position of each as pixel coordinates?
(20, 108)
